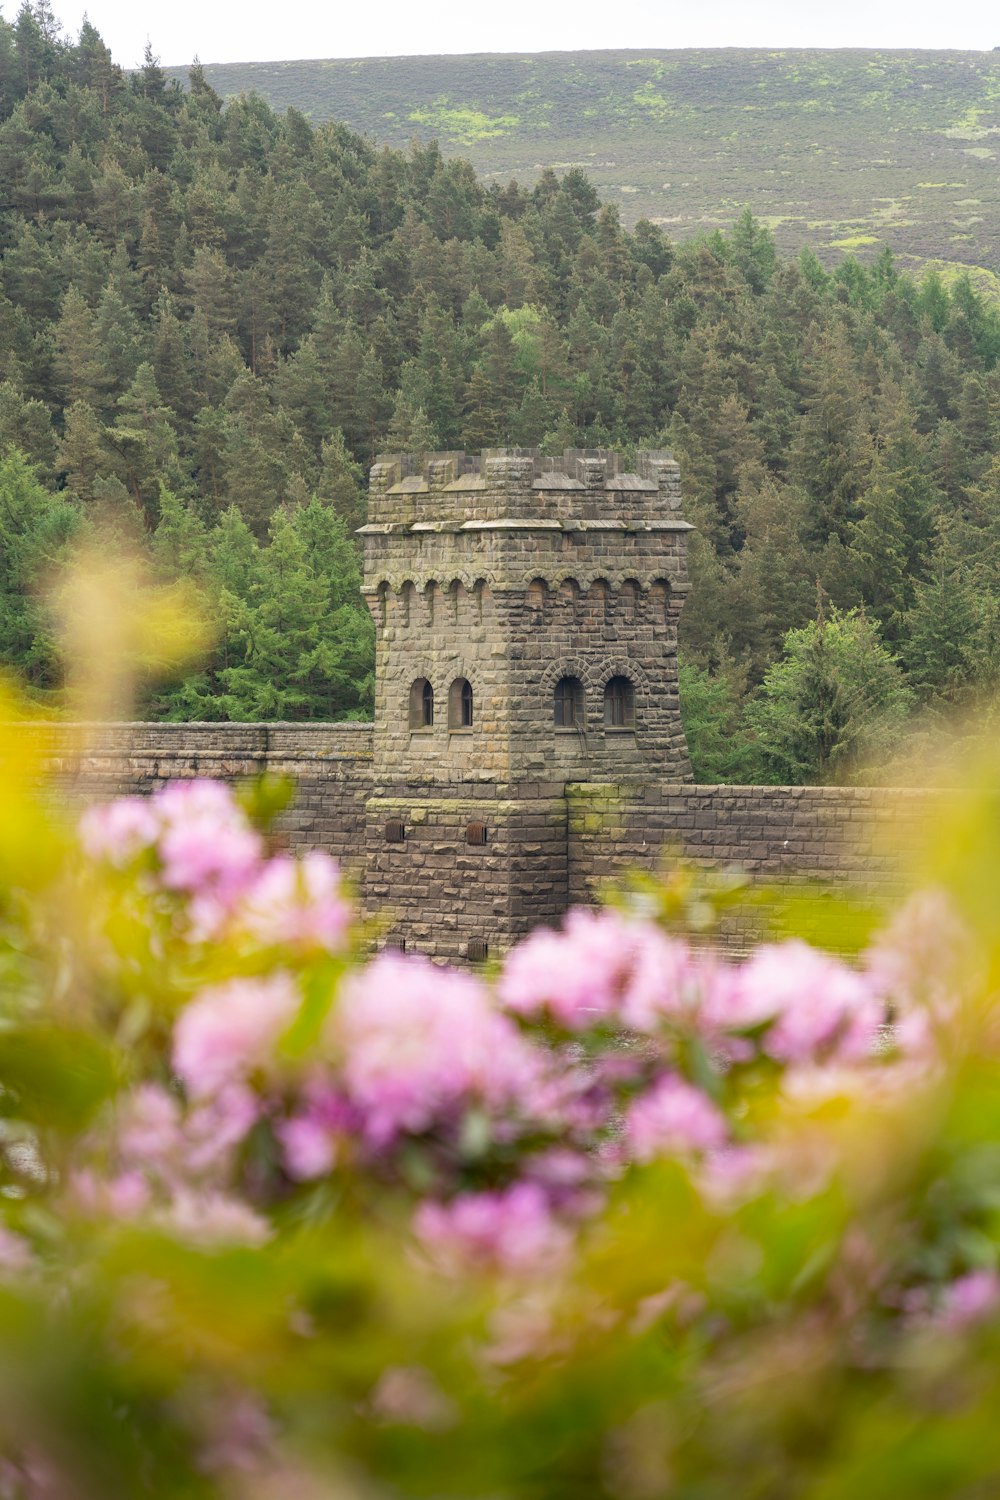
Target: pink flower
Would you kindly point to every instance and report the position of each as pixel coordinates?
(155, 1135)
(118, 831)
(125, 1196)
(16, 1255)
(419, 1041)
(818, 1004)
(240, 1434)
(210, 1220)
(673, 1117)
(206, 845)
(308, 1147)
(969, 1300)
(664, 980)
(577, 975)
(297, 903)
(231, 1029)
(512, 1230)
(216, 1126)
(149, 1132)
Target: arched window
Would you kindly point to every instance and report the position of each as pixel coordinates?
(619, 704)
(568, 703)
(421, 704)
(460, 704)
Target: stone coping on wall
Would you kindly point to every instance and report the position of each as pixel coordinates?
(321, 741)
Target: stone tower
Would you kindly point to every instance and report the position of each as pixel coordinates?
(526, 615)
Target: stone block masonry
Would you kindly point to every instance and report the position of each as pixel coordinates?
(547, 845)
(331, 765)
(858, 837)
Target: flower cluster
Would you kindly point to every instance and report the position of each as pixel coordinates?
(194, 841)
(390, 1189)
(502, 1110)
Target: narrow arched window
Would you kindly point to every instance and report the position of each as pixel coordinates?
(421, 704)
(460, 704)
(619, 704)
(568, 703)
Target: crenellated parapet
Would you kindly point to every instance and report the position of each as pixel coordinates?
(522, 485)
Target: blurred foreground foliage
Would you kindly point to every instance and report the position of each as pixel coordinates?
(759, 1260)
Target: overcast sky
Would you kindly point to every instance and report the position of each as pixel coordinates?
(266, 30)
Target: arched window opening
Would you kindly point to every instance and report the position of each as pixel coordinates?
(619, 704)
(421, 704)
(568, 704)
(460, 704)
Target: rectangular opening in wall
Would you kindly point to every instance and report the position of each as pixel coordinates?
(396, 944)
(478, 950)
(475, 833)
(395, 831)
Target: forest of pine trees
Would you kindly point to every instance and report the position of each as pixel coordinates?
(212, 318)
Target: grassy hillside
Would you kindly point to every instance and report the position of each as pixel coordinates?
(837, 149)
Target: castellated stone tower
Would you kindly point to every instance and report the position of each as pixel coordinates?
(526, 615)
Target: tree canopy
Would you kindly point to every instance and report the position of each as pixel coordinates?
(237, 310)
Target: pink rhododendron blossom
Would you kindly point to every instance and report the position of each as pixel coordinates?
(512, 1230)
(231, 1029)
(215, 1126)
(300, 903)
(16, 1255)
(918, 956)
(125, 1196)
(969, 1300)
(149, 1129)
(240, 1434)
(665, 981)
(576, 975)
(409, 1394)
(734, 1174)
(209, 1220)
(206, 846)
(310, 1137)
(817, 1003)
(118, 831)
(417, 1041)
(156, 1135)
(673, 1116)
(308, 1147)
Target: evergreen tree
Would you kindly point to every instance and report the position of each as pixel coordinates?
(35, 527)
(835, 699)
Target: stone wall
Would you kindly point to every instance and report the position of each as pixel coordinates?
(847, 836)
(547, 844)
(476, 869)
(331, 765)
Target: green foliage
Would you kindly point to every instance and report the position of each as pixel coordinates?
(296, 640)
(230, 312)
(35, 528)
(191, 1309)
(790, 131)
(835, 700)
(721, 748)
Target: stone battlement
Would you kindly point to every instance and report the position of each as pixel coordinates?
(521, 485)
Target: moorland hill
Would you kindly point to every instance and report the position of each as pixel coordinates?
(841, 150)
